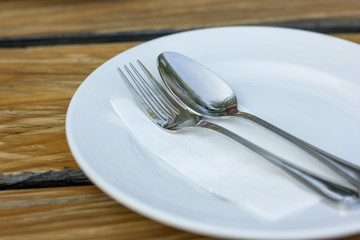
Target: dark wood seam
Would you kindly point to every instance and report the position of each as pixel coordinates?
(81, 38)
(322, 26)
(26, 180)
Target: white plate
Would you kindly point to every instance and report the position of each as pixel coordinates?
(306, 83)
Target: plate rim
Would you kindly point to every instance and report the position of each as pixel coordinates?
(169, 219)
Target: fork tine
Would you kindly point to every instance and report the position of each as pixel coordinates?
(147, 94)
(150, 92)
(159, 89)
(147, 107)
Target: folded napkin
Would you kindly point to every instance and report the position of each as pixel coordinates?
(223, 167)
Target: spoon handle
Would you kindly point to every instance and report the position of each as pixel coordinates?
(345, 169)
(339, 195)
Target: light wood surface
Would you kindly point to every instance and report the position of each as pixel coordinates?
(76, 213)
(19, 18)
(43, 193)
(37, 85)
(79, 213)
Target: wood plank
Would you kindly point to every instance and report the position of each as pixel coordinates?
(350, 37)
(36, 86)
(75, 213)
(40, 17)
(78, 213)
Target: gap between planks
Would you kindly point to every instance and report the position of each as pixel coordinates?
(26, 180)
(321, 26)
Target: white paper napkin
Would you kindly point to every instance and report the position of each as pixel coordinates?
(223, 167)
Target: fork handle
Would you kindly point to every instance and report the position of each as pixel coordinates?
(345, 169)
(339, 195)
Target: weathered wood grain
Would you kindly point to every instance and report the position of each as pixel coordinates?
(40, 17)
(78, 213)
(36, 86)
(350, 37)
(75, 213)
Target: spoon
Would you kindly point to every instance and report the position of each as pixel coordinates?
(202, 92)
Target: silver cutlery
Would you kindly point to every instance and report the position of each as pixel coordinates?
(202, 92)
(168, 114)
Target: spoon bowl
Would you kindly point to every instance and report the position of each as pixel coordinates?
(196, 87)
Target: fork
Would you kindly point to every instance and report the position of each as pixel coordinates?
(165, 112)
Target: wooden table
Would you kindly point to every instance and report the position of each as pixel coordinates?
(47, 48)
